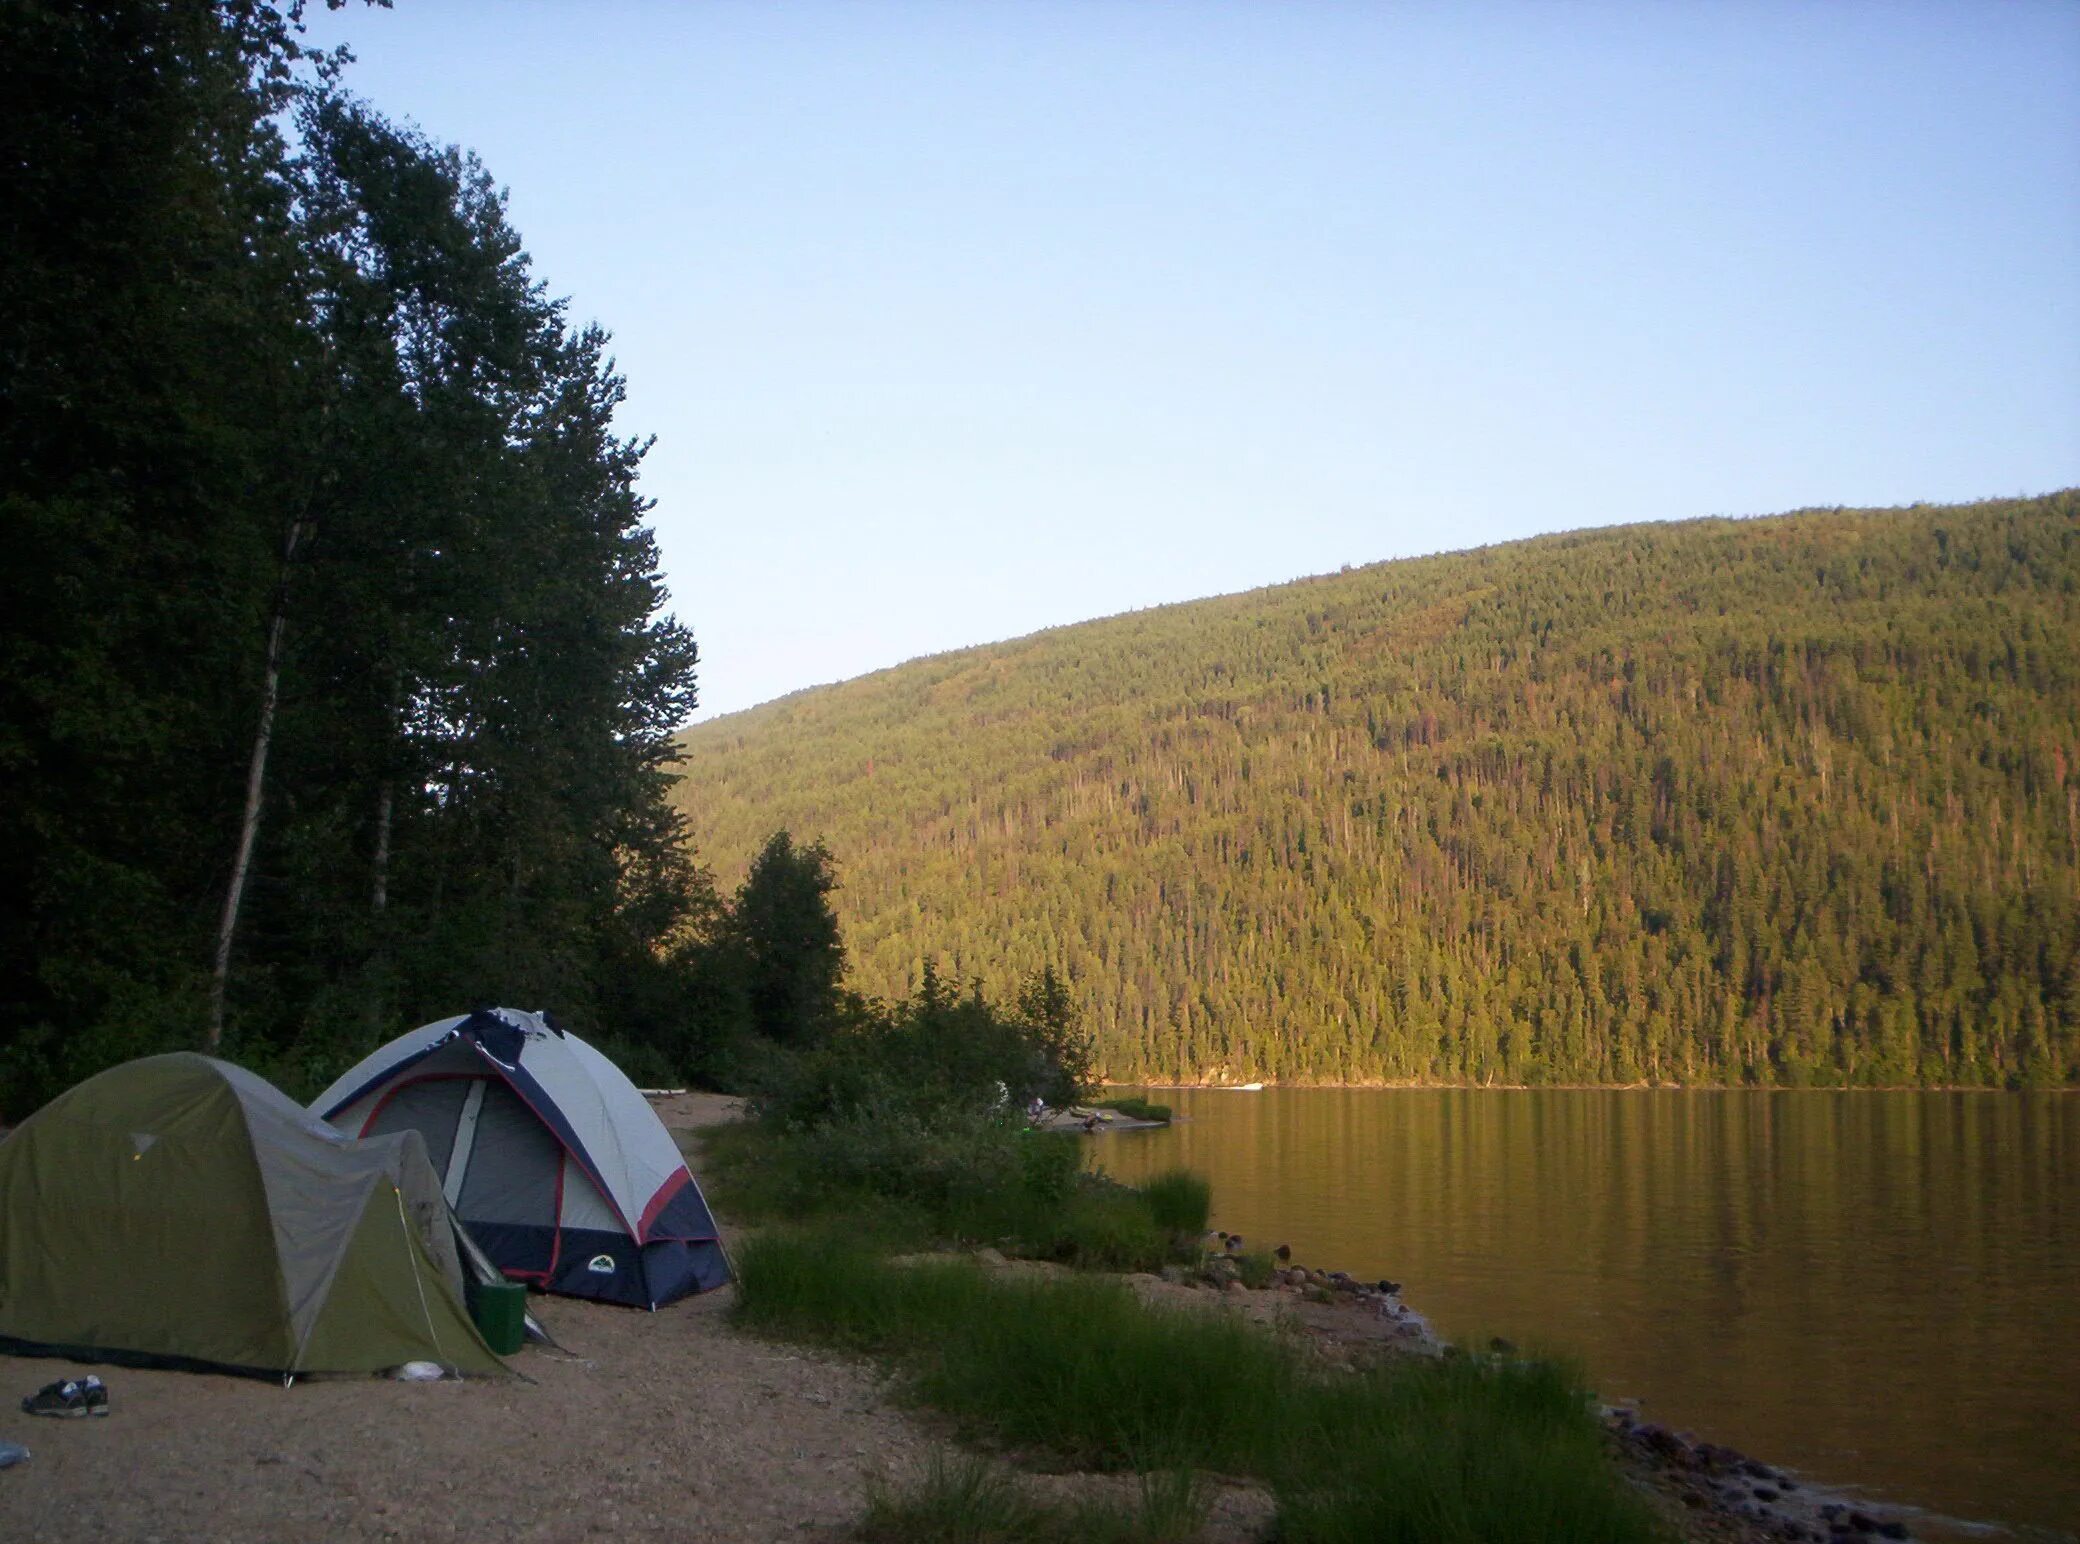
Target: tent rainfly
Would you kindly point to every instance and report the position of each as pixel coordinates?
(180, 1211)
(559, 1167)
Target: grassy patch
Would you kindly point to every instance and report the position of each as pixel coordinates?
(1077, 1366)
(1464, 1449)
(1459, 1449)
(738, 1176)
(1021, 1191)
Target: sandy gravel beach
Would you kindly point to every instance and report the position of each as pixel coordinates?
(661, 1427)
(658, 1426)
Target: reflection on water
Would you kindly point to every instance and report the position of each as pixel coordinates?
(1876, 1289)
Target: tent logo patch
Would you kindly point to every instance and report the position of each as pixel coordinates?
(601, 1265)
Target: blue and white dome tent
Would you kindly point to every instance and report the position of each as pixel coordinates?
(556, 1164)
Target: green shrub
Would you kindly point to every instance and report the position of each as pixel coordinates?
(1180, 1201)
(835, 1079)
(971, 1177)
(901, 1154)
(934, 1054)
(755, 1176)
(1024, 1216)
(1049, 1164)
(914, 1108)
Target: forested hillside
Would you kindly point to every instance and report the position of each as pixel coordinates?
(1786, 801)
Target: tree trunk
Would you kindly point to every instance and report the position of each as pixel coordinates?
(256, 782)
(386, 798)
(381, 898)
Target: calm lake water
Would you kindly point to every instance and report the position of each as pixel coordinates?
(1880, 1291)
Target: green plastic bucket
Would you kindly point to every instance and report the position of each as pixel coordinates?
(500, 1310)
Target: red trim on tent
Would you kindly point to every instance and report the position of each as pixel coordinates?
(671, 1187)
(428, 1077)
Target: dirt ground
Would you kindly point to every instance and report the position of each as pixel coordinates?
(693, 1110)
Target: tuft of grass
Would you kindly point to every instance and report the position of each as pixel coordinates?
(1179, 1200)
(1256, 1270)
(1172, 1506)
(962, 1500)
(969, 1500)
(1461, 1449)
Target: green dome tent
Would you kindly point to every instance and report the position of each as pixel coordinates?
(180, 1211)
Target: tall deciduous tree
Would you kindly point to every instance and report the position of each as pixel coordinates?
(336, 686)
(155, 376)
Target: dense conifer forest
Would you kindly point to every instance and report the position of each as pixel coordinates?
(1787, 801)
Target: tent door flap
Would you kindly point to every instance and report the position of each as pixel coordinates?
(465, 1139)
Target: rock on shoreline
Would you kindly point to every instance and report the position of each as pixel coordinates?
(1706, 1489)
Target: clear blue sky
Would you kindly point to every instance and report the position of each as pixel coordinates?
(955, 321)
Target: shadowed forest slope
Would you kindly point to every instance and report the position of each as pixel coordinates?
(1790, 801)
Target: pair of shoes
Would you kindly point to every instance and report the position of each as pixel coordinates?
(69, 1398)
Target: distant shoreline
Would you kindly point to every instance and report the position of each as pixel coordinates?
(1269, 1086)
